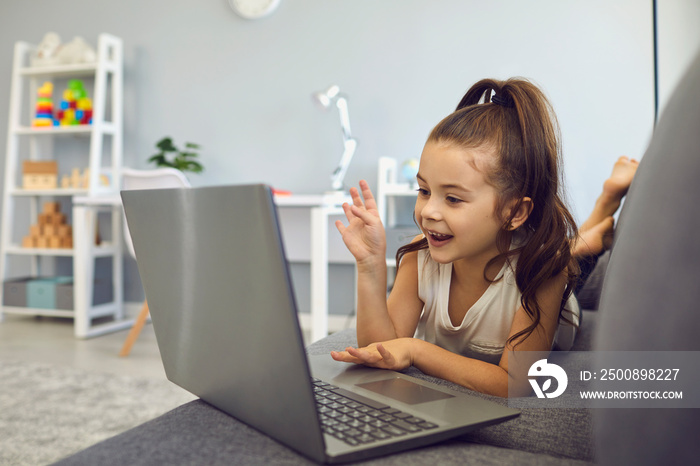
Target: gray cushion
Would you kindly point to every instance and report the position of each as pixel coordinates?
(651, 294)
(197, 433)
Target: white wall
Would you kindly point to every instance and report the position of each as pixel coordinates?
(197, 72)
(678, 39)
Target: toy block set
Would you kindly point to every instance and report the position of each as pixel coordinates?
(44, 175)
(75, 107)
(81, 180)
(51, 230)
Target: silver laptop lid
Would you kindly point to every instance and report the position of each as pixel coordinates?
(236, 303)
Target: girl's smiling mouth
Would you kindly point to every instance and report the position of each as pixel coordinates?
(437, 239)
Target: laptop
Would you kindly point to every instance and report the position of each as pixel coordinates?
(218, 286)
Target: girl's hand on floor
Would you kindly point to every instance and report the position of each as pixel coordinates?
(364, 236)
(393, 354)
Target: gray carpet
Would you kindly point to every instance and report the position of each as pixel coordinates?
(48, 412)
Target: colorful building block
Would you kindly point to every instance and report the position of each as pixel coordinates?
(44, 106)
(76, 107)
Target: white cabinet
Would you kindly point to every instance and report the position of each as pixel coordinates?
(97, 147)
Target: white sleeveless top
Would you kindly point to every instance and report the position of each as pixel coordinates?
(485, 328)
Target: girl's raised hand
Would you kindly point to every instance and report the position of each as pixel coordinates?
(364, 235)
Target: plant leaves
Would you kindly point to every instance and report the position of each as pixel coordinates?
(166, 145)
(182, 160)
(157, 159)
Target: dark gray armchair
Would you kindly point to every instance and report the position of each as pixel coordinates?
(651, 292)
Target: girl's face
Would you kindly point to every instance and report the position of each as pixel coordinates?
(456, 206)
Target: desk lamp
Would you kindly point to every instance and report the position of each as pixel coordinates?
(324, 99)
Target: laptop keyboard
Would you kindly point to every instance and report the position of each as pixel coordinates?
(356, 420)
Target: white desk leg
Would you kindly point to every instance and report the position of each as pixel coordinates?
(319, 273)
(117, 263)
(83, 267)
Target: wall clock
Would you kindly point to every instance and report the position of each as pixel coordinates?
(254, 9)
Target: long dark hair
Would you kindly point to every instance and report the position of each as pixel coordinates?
(520, 124)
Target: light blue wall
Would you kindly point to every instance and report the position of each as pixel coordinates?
(678, 43)
(197, 72)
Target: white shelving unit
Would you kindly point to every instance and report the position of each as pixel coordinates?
(388, 190)
(25, 142)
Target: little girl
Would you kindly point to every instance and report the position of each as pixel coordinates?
(493, 270)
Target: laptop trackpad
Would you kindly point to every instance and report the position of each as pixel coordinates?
(404, 391)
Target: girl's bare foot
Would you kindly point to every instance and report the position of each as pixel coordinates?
(614, 189)
(594, 240)
(621, 178)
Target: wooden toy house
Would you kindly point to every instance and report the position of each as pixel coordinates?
(39, 174)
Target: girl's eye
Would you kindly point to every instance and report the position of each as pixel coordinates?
(453, 200)
(423, 192)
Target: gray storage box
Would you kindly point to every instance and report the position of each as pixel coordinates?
(14, 292)
(102, 293)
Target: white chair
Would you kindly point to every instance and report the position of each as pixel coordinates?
(159, 178)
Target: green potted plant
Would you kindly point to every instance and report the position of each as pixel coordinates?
(183, 160)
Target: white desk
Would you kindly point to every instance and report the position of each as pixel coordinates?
(322, 207)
